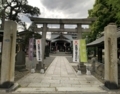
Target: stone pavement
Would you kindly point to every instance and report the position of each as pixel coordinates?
(60, 77)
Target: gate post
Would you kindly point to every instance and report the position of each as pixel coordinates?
(43, 46)
(79, 30)
(111, 66)
(8, 52)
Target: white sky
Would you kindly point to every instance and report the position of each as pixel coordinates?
(61, 8)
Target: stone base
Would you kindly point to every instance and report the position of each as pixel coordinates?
(13, 88)
(20, 67)
(6, 85)
(82, 68)
(111, 85)
(47, 55)
(32, 70)
(88, 72)
(79, 72)
(38, 66)
(42, 71)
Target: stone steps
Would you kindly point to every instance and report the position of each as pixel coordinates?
(86, 90)
(65, 93)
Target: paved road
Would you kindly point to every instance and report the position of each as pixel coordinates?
(60, 77)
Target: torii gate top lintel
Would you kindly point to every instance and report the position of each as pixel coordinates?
(85, 21)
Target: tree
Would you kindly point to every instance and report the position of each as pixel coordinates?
(104, 14)
(27, 34)
(116, 7)
(114, 3)
(14, 7)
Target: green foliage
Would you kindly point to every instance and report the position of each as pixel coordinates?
(116, 7)
(114, 3)
(85, 36)
(15, 7)
(104, 14)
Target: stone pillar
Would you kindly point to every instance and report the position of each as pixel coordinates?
(43, 46)
(79, 35)
(61, 26)
(8, 51)
(111, 66)
(79, 30)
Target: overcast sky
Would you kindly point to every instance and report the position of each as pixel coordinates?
(62, 8)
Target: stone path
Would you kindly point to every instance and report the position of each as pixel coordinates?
(60, 77)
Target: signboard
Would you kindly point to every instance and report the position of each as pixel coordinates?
(31, 48)
(83, 52)
(38, 50)
(75, 50)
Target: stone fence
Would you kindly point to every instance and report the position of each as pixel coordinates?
(97, 68)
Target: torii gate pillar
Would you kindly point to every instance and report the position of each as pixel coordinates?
(43, 46)
(8, 52)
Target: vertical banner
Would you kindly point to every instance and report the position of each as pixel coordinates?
(38, 50)
(83, 52)
(75, 50)
(31, 48)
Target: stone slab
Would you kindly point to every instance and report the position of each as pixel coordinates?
(87, 89)
(36, 85)
(34, 90)
(60, 78)
(70, 82)
(50, 81)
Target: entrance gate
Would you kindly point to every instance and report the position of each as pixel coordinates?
(9, 40)
(61, 22)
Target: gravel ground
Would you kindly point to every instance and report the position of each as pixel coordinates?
(19, 75)
(75, 68)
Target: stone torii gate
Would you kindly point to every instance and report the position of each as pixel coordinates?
(61, 22)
